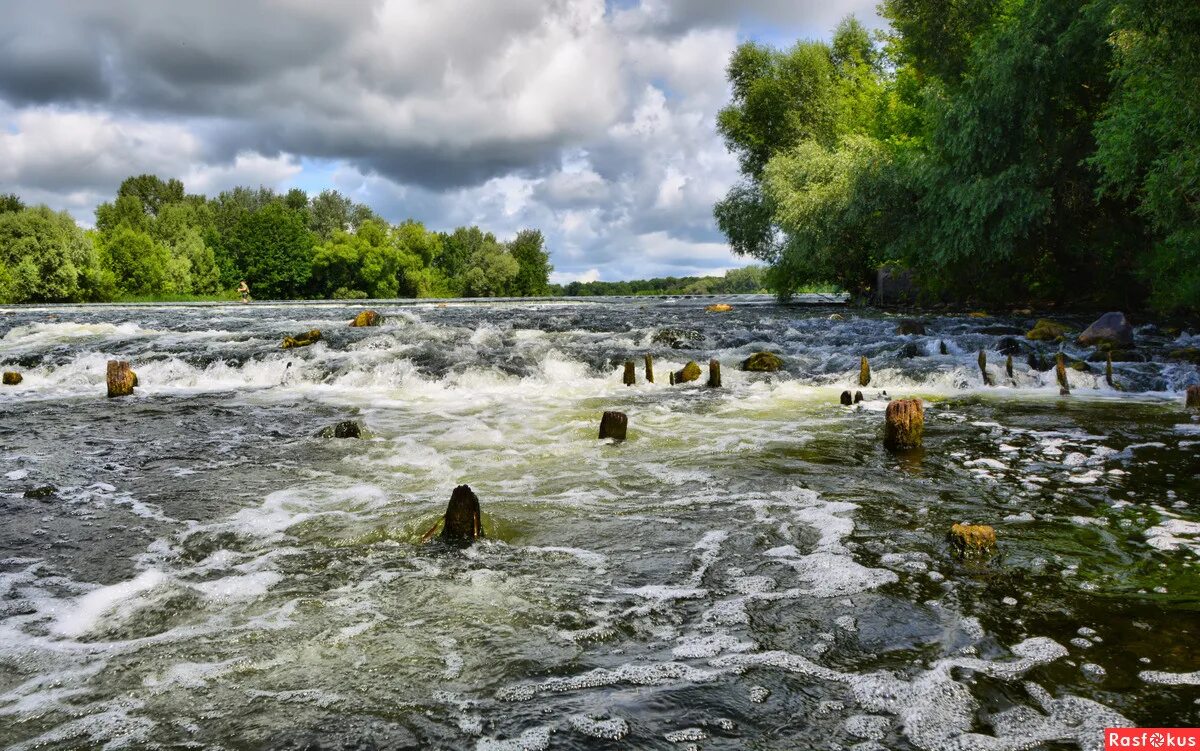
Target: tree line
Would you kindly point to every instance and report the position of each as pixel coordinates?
(746, 280)
(155, 241)
(999, 150)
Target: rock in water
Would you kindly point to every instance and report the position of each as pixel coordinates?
(942, 348)
(42, 493)
(904, 424)
(910, 350)
(714, 374)
(970, 539)
(301, 340)
(614, 425)
(689, 372)
(910, 326)
(858, 397)
(1060, 370)
(630, 377)
(762, 362)
(864, 372)
(1046, 330)
(677, 338)
(366, 318)
(12, 378)
(120, 378)
(344, 429)
(463, 522)
(719, 308)
(649, 369)
(1112, 329)
(847, 399)
(1193, 397)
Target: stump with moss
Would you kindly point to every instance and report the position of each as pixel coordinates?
(301, 340)
(904, 424)
(762, 362)
(630, 377)
(864, 372)
(1060, 371)
(119, 378)
(366, 318)
(12, 378)
(972, 539)
(714, 374)
(649, 369)
(614, 425)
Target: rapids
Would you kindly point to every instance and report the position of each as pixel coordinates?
(749, 570)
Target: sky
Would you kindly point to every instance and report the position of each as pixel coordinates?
(592, 121)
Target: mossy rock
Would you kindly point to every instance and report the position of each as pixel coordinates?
(12, 378)
(366, 318)
(719, 308)
(689, 372)
(344, 429)
(1187, 354)
(910, 350)
(1046, 330)
(301, 340)
(676, 338)
(763, 362)
(972, 539)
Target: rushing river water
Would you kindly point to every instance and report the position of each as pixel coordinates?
(749, 570)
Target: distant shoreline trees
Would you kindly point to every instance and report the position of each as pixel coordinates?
(155, 241)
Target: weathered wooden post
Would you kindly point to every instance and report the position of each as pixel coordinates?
(463, 523)
(858, 397)
(671, 378)
(614, 425)
(1060, 370)
(649, 369)
(1008, 367)
(847, 400)
(983, 368)
(120, 378)
(12, 378)
(1108, 370)
(942, 348)
(714, 374)
(630, 373)
(1193, 397)
(904, 424)
(864, 372)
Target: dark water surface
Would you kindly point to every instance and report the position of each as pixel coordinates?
(750, 570)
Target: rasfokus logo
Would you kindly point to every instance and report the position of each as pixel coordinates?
(1151, 738)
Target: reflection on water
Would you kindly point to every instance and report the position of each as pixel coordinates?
(749, 569)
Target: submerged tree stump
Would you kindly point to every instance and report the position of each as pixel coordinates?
(630, 373)
(366, 318)
(858, 397)
(904, 424)
(463, 522)
(12, 378)
(972, 539)
(1060, 370)
(714, 374)
(847, 399)
(983, 368)
(649, 369)
(864, 372)
(1008, 367)
(1193, 397)
(614, 425)
(689, 372)
(120, 379)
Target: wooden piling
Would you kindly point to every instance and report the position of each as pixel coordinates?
(614, 425)
(1008, 367)
(904, 424)
(847, 399)
(983, 368)
(649, 369)
(1060, 370)
(714, 374)
(463, 521)
(1108, 370)
(942, 348)
(1193, 397)
(858, 397)
(120, 378)
(630, 373)
(864, 372)
(671, 378)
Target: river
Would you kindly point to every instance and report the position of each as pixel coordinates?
(750, 569)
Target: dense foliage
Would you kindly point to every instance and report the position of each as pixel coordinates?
(1025, 150)
(155, 241)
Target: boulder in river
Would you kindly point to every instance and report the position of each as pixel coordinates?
(689, 372)
(41, 493)
(970, 539)
(301, 340)
(910, 326)
(762, 362)
(677, 338)
(910, 350)
(12, 378)
(1046, 330)
(366, 318)
(463, 523)
(719, 308)
(1111, 328)
(343, 429)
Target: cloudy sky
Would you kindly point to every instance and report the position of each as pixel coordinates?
(590, 120)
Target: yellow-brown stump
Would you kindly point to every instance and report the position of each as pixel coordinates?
(120, 378)
(463, 521)
(714, 374)
(1060, 370)
(904, 424)
(614, 425)
(970, 539)
(983, 368)
(1193, 397)
(649, 369)
(864, 372)
(12, 378)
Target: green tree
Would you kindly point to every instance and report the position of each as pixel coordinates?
(45, 257)
(151, 191)
(139, 265)
(273, 249)
(533, 263)
(11, 202)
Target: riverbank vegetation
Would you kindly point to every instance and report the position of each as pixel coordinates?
(156, 242)
(1002, 152)
(747, 280)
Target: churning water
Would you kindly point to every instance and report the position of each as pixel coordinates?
(749, 570)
